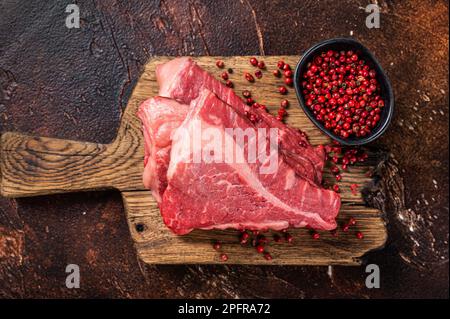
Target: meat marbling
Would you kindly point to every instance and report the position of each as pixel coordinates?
(236, 195)
(160, 117)
(226, 195)
(182, 79)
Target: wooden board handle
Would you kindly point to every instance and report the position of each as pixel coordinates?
(32, 166)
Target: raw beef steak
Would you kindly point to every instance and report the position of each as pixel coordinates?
(216, 194)
(160, 117)
(182, 79)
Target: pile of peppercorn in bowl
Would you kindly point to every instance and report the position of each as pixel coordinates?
(344, 91)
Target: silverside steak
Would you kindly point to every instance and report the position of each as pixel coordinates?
(219, 195)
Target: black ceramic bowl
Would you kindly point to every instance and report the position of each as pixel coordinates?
(387, 95)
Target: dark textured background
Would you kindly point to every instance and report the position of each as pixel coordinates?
(75, 83)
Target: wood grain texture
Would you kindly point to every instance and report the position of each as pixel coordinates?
(156, 244)
(35, 166)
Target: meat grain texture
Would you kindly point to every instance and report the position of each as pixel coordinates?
(241, 192)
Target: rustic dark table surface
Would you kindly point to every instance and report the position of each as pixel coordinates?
(74, 84)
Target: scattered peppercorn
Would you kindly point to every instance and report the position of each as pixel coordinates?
(260, 249)
(282, 112)
(335, 170)
(268, 256)
(284, 104)
(244, 238)
(220, 64)
(289, 81)
(354, 189)
(249, 77)
(288, 73)
(282, 90)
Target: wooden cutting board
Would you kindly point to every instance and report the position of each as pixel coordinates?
(32, 166)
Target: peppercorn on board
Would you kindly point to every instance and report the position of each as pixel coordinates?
(32, 166)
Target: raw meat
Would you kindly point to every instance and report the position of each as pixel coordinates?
(236, 195)
(160, 117)
(182, 79)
